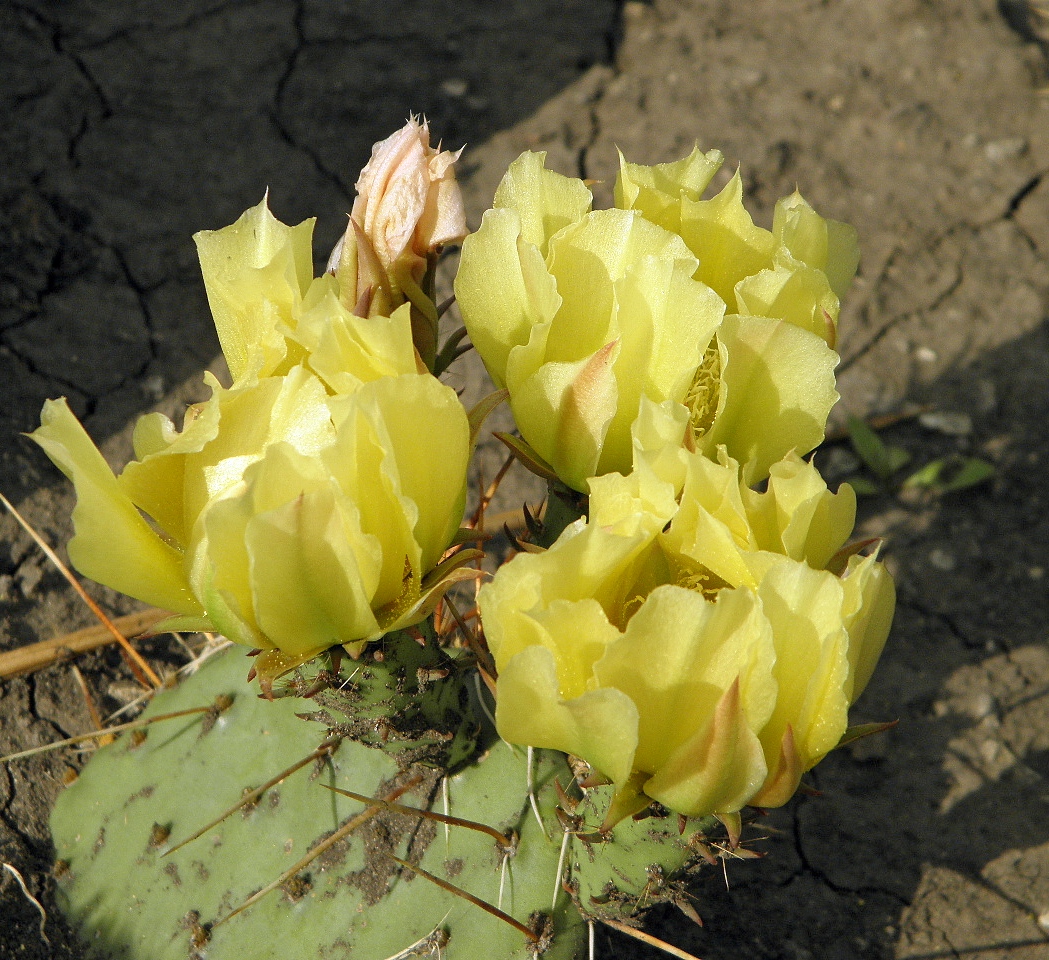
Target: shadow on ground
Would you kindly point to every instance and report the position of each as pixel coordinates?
(129, 127)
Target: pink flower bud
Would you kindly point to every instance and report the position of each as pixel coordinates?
(408, 202)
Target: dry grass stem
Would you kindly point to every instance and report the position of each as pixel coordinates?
(667, 948)
(36, 656)
(143, 672)
(106, 732)
(33, 900)
(343, 831)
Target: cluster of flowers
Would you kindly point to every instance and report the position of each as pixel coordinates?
(302, 506)
(697, 642)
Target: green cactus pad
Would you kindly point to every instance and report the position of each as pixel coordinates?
(134, 801)
(406, 695)
(131, 803)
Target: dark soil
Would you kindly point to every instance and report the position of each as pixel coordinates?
(129, 126)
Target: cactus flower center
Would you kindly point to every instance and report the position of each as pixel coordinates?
(702, 397)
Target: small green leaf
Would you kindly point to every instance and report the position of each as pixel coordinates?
(527, 456)
(861, 730)
(482, 410)
(868, 447)
(896, 459)
(928, 476)
(451, 351)
(864, 487)
(950, 474)
(840, 560)
(973, 471)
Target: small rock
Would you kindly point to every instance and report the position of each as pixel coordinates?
(948, 422)
(942, 559)
(28, 574)
(986, 396)
(1008, 148)
(1043, 920)
(989, 750)
(747, 78)
(925, 355)
(980, 705)
(152, 387)
(454, 87)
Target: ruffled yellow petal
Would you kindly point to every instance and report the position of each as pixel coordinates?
(600, 725)
(870, 601)
(723, 236)
(804, 607)
(798, 516)
(256, 272)
(716, 770)
(544, 200)
(503, 289)
(827, 245)
(656, 191)
(113, 544)
(793, 291)
(777, 390)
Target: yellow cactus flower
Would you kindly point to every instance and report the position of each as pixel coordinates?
(271, 314)
(282, 516)
(579, 313)
(688, 641)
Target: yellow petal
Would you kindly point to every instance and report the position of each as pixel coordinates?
(870, 601)
(346, 350)
(255, 272)
(784, 774)
(656, 191)
(777, 390)
(427, 436)
(600, 726)
(367, 475)
(503, 289)
(587, 258)
(718, 769)
(798, 516)
(676, 660)
(665, 321)
(113, 544)
(804, 608)
(306, 578)
(711, 527)
(793, 291)
(563, 410)
(723, 236)
(827, 245)
(544, 200)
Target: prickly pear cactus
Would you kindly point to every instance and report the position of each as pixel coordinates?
(365, 896)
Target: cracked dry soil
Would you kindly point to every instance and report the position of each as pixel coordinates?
(130, 126)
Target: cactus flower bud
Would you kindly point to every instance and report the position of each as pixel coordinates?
(408, 206)
(689, 642)
(580, 313)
